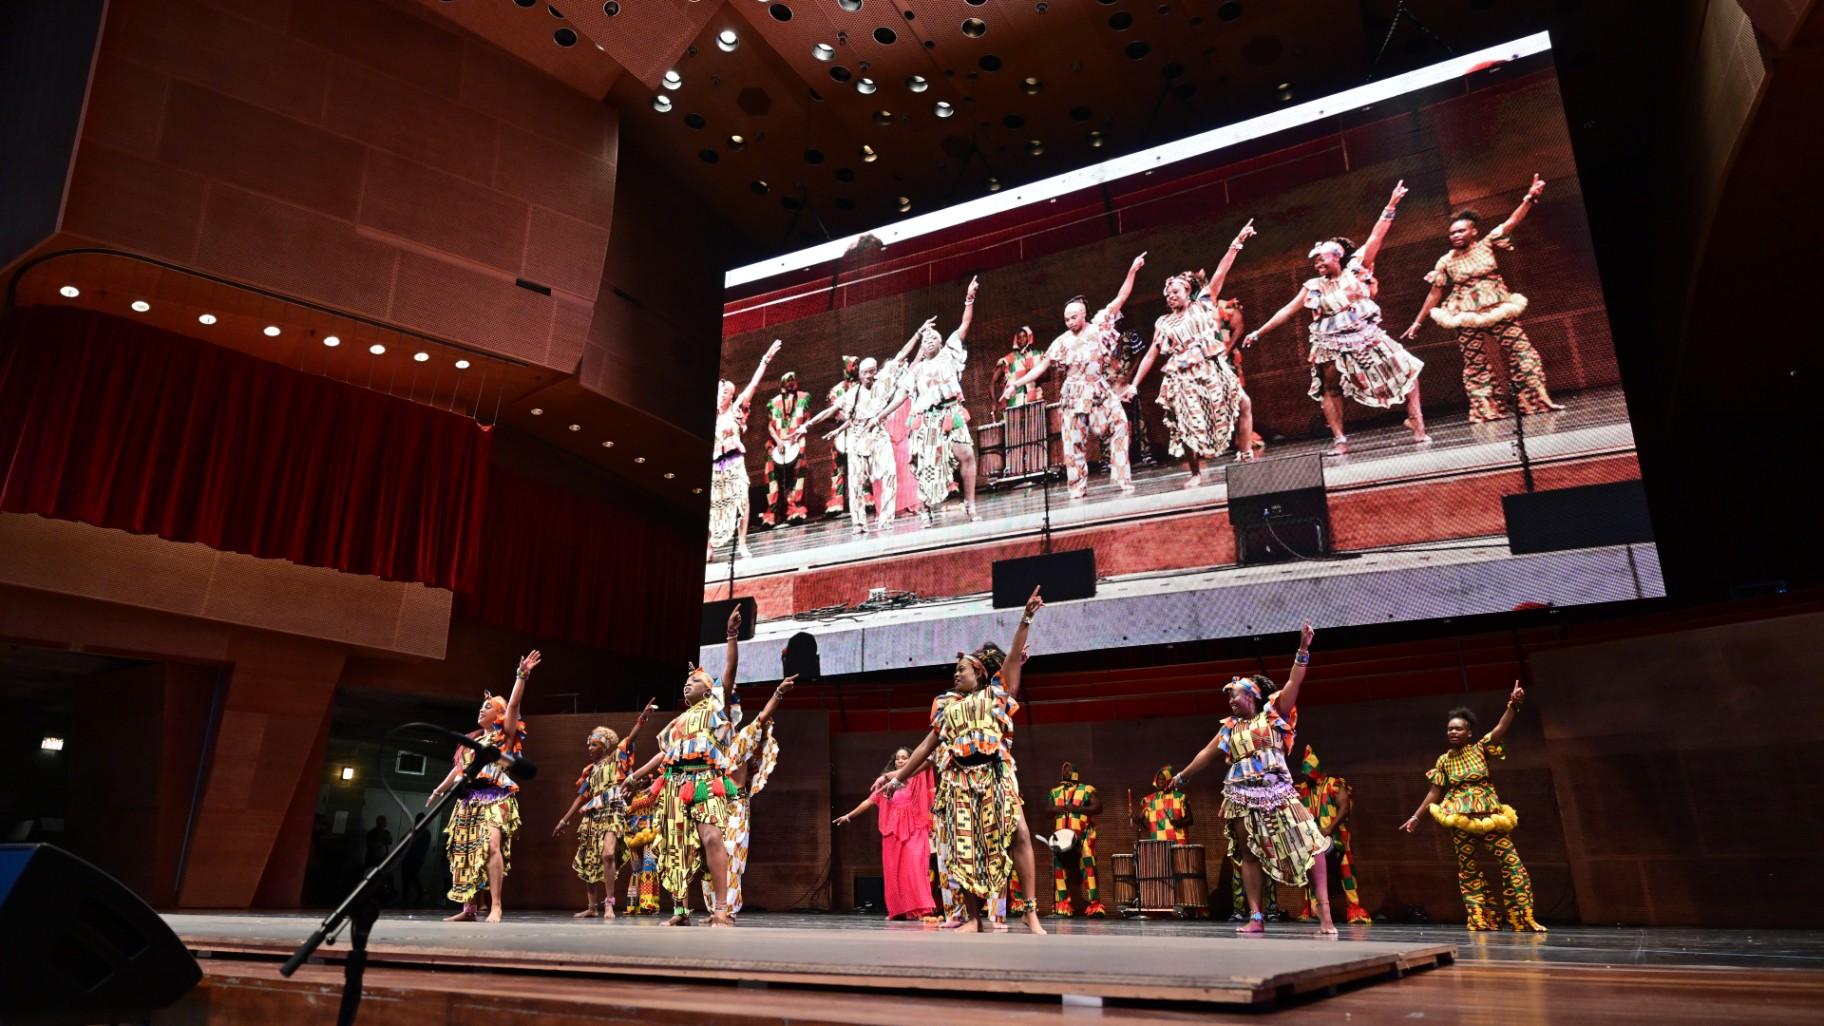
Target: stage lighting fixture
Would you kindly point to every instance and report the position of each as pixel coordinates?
(421, 357)
(70, 291)
(331, 341)
(348, 773)
(673, 80)
(51, 744)
(207, 318)
(272, 331)
(727, 40)
(141, 306)
(462, 365)
(377, 349)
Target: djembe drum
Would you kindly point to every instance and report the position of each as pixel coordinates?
(1190, 888)
(991, 449)
(1127, 886)
(1154, 860)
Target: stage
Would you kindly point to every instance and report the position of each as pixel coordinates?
(848, 968)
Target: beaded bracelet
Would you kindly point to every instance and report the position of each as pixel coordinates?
(1302, 658)
(1388, 213)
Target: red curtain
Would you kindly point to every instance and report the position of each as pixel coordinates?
(120, 425)
(599, 573)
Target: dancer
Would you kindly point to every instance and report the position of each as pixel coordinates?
(879, 389)
(1463, 800)
(694, 791)
(1351, 354)
(640, 854)
(479, 834)
(1089, 401)
(1270, 833)
(1075, 806)
(1015, 364)
(1329, 798)
(837, 502)
(905, 840)
(939, 438)
(728, 499)
(604, 807)
(784, 454)
(1201, 396)
(752, 755)
(1482, 312)
(1164, 814)
(977, 805)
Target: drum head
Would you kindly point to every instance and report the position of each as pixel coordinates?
(1062, 841)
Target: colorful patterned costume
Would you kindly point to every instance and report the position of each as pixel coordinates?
(693, 788)
(1482, 312)
(1200, 394)
(1470, 808)
(1012, 366)
(977, 790)
(784, 412)
(639, 850)
(1089, 403)
(1374, 369)
(492, 802)
(749, 741)
(728, 499)
(938, 421)
(1075, 795)
(837, 503)
(1322, 795)
(871, 457)
(603, 813)
(1258, 790)
(1165, 812)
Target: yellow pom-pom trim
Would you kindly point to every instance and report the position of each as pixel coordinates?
(639, 840)
(1502, 822)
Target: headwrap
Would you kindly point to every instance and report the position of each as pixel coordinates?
(1163, 778)
(1326, 246)
(605, 736)
(1251, 685)
(1191, 284)
(788, 378)
(1069, 772)
(987, 659)
(850, 365)
(1308, 765)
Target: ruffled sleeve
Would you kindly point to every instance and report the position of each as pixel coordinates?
(955, 352)
(1436, 774)
(1499, 239)
(1439, 275)
(937, 712)
(1492, 748)
(1314, 293)
(1223, 734)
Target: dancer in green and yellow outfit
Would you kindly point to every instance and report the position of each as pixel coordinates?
(603, 804)
(478, 838)
(1163, 814)
(1329, 799)
(1074, 807)
(1464, 800)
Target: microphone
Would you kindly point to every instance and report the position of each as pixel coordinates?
(518, 765)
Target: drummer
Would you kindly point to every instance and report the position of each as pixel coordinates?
(1074, 807)
(1015, 364)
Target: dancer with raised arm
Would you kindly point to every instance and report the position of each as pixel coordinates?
(478, 838)
(939, 438)
(1483, 313)
(1351, 354)
(878, 390)
(753, 753)
(603, 804)
(1463, 800)
(905, 840)
(978, 793)
(728, 499)
(1089, 402)
(694, 792)
(1200, 394)
(1270, 832)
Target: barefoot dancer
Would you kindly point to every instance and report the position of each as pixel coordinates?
(939, 439)
(1270, 832)
(905, 841)
(694, 792)
(728, 499)
(752, 756)
(978, 805)
(1201, 395)
(1088, 398)
(1483, 312)
(479, 835)
(1351, 354)
(1463, 800)
(603, 804)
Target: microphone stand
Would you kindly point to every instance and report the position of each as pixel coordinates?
(361, 909)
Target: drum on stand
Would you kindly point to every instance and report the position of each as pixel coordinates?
(1154, 861)
(1127, 886)
(991, 449)
(1190, 887)
(1024, 440)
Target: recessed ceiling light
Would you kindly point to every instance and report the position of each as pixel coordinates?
(272, 331)
(1031, 86)
(905, 204)
(823, 52)
(207, 318)
(607, 445)
(639, 459)
(673, 80)
(868, 154)
(737, 142)
(696, 491)
(865, 86)
(421, 357)
(1035, 147)
(669, 475)
(331, 341)
(538, 411)
(576, 427)
(883, 118)
(994, 185)
(943, 109)
(70, 291)
(462, 365)
(918, 83)
(850, 6)
(975, 28)
(141, 305)
(377, 349)
(661, 103)
(727, 40)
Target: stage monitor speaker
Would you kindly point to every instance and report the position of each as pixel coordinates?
(800, 658)
(1062, 576)
(715, 620)
(78, 946)
(1279, 509)
(1577, 518)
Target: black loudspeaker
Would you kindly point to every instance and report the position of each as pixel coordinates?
(1577, 518)
(1278, 508)
(715, 620)
(78, 947)
(800, 658)
(1062, 576)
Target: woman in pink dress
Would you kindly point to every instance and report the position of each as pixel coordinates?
(905, 842)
